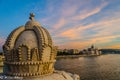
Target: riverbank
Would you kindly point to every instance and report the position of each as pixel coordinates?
(75, 56)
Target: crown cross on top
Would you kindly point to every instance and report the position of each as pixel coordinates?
(32, 16)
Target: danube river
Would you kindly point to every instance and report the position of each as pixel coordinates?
(104, 67)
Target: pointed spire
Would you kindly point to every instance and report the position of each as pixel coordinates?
(32, 15)
(92, 46)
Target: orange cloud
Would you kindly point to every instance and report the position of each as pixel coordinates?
(97, 32)
(106, 26)
(113, 47)
(72, 45)
(68, 16)
(104, 35)
(60, 24)
(104, 39)
(88, 13)
(69, 33)
(84, 44)
(75, 32)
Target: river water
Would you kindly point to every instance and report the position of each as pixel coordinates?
(104, 67)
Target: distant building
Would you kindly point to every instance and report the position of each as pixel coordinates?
(73, 51)
(65, 50)
(68, 51)
(91, 51)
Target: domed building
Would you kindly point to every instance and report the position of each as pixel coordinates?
(30, 53)
(91, 51)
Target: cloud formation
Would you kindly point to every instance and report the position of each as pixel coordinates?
(78, 23)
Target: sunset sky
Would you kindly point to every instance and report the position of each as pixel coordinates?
(71, 23)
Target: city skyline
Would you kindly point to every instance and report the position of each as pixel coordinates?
(71, 23)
